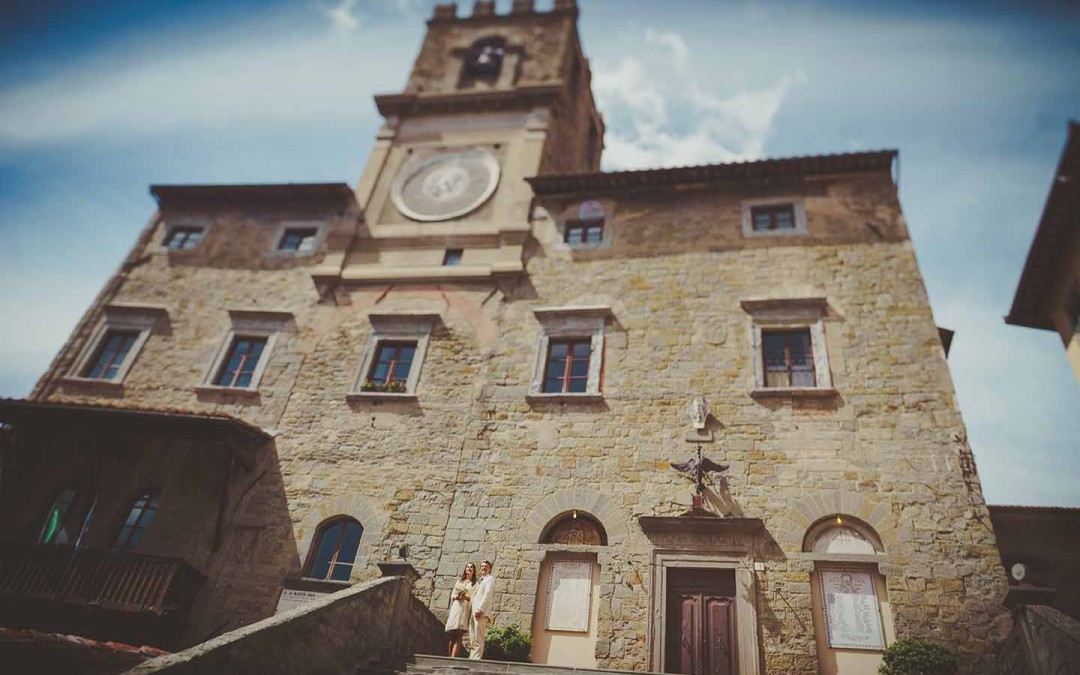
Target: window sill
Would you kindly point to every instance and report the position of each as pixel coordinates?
(588, 397)
(302, 583)
(214, 389)
(91, 384)
(353, 396)
(750, 234)
(794, 392)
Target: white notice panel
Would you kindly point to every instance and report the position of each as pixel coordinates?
(569, 595)
(291, 599)
(852, 615)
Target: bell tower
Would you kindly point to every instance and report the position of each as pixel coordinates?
(492, 100)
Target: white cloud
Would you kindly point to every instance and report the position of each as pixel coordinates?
(638, 93)
(236, 75)
(343, 16)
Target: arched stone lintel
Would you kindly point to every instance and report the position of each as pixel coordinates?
(809, 510)
(373, 522)
(601, 507)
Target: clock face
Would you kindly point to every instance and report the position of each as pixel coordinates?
(445, 185)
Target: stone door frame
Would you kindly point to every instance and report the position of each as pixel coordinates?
(700, 540)
(746, 622)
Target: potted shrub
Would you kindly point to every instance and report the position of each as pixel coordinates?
(917, 657)
(508, 644)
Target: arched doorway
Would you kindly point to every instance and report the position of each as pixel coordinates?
(565, 616)
(852, 615)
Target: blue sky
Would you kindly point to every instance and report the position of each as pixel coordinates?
(100, 99)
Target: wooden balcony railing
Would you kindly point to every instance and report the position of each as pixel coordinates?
(120, 581)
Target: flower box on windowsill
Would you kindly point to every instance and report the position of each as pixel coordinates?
(384, 388)
(794, 392)
(585, 397)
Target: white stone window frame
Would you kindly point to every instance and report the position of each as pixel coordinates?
(320, 233)
(797, 206)
(789, 314)
(171, 227)
(570, 322)
(400, 327)
(247, 323)
(118, 317)
(605, 233)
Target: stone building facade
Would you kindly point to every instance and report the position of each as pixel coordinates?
(488, 351)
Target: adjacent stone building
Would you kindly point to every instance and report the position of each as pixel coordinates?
(492, 350)
(1048, 295)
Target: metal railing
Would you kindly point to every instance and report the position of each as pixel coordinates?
(121, 581)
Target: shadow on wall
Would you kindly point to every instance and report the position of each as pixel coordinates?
(341, 624)
(258, 548)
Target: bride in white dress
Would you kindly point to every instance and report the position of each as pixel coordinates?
(460, 609)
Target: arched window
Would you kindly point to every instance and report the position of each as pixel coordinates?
(484, 59)
(54, 526)
(574, 528)
(334, 549)
(139, 518)
(565, 618)
(842, 534)
(846, 583)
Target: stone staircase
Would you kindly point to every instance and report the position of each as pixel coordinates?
(442, 665)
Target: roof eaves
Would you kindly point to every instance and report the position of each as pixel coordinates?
(1050, 243)
(879, 160)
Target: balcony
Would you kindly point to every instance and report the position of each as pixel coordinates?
(127, 597)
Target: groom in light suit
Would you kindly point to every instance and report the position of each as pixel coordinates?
(482, 600)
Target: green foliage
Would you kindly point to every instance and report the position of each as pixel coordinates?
(917, 657)
(508, 644)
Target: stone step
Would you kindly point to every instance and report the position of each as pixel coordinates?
(424, 664)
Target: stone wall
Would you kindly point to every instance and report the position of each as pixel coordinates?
(378, 621)
(457, 471)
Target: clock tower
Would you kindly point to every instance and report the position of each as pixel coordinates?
(492, 100)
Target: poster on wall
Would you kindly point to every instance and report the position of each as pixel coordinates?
(569, 595)
(852, 616)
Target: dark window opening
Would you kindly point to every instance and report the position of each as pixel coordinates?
(452, 257)
(583, 233)
(393, 360)
(184, 238)
(484, 60)
(298, 240)
(776, 217)
(335, 549)
(139, 518)
(110, 355)
(54, 526)
(789, 358)
(239, 366)
(567, 367)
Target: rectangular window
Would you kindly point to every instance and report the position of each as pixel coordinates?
(241, 361)
(390, 370)
(789, 358)
(582, 233)
(773, 217)
(452, 257)
(298, 239)
(183, 238)
(110, 355)
(567, 367)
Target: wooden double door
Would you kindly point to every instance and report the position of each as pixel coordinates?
(701, 622)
